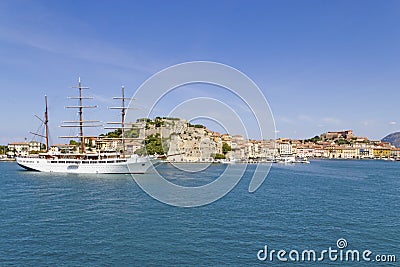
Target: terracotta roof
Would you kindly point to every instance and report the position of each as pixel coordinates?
(62, 145)
(19, 143)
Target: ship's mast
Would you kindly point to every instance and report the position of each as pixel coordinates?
(123, 109)
(80, 116)
(46, 123)
(123, 121)
(80, 123)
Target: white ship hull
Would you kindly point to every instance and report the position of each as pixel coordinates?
(110, 166)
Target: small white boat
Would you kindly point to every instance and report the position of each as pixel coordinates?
(302, 161)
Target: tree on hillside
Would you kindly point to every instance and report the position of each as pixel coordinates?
(226, 148)
(342, 142)
(218, 156)
(153, 145)
(74, 143)
(315, 139)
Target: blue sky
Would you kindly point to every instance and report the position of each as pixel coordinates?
(322, 65)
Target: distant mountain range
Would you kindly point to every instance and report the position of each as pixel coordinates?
(393, 138)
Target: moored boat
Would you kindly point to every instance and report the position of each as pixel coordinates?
(83, 161)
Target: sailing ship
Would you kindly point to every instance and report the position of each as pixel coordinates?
(107, 162)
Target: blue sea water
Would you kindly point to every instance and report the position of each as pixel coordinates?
(107, 220)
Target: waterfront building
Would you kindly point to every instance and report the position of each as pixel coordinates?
(285, 149)
(132, 146)
(318, 151)
(18, 149)
(381, 152)
(305, 152)
(349, 152)
(366, 152)
(395, 153)
(24, 149)
(63, 148)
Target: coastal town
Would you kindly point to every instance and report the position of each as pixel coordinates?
(176, 140)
